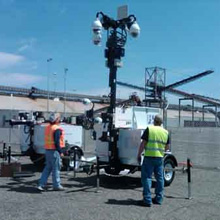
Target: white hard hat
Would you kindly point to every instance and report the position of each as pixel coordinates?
(54, 116)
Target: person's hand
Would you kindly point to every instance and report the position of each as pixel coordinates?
(139, 159)
(62, 155)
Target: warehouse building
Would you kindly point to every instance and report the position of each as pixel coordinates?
(19, 100)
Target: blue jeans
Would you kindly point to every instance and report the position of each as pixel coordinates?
(53, 164)
(152, 165)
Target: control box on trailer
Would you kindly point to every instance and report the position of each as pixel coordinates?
(73, 136)
(131, 122)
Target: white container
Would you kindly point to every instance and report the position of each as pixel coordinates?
(72, 134)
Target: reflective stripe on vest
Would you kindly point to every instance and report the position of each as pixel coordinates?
(49, 137)
(157, 140)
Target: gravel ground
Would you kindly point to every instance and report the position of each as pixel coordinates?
(116, 199)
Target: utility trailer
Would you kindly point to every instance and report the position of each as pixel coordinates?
(130, 123)
(119, 136)
(32, 139)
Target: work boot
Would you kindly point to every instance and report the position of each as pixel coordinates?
(59, 188)
(143, 203)
(154, 200)
(41, 188)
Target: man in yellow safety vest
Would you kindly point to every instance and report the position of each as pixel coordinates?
(155, 141)
(54, 144)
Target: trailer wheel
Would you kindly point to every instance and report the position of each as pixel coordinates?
(38, 160)
(112, 170)
(69, 163)
(169, 174)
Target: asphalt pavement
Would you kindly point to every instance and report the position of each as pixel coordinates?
(116, 198)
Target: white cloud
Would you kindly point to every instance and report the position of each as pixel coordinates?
(19, 79)
(9, 60)
(23, 48)
(26, 44)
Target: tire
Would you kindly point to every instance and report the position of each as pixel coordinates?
(168, 174)
(69, 163)
(113, 170)
(38, 160)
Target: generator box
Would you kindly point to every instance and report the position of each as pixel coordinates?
(8, 169)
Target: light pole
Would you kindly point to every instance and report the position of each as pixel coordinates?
(116, 39)
(48, 86)
(65, 75)
(55, 82)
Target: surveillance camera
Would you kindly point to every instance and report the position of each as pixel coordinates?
(86, 101)
(97, 29)
(97, 38)
(134, 29)
(98, 120)
(97, 26)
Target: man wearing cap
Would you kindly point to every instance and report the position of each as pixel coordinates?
(155, 141)
(54, 142)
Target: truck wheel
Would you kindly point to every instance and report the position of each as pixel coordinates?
(169, 173)
(38, 160)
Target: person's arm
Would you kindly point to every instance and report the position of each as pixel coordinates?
(167, 146)
(141, 149)
(144, 138)
(57, 135)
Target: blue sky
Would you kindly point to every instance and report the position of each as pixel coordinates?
(180, 36)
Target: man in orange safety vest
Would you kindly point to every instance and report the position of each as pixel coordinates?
(54, 144)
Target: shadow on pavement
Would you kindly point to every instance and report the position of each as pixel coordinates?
(81, 182)
(21, 182)
(175, 197)
(22, 186)
(123, 202)
(125, 182)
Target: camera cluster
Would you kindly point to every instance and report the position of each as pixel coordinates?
(129, 24)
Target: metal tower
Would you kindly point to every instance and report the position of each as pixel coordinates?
(155, 81)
